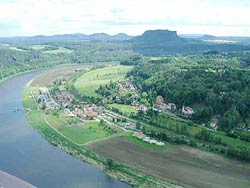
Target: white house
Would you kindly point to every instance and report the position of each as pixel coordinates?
(186, 110)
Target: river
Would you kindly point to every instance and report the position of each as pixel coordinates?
(26, 154)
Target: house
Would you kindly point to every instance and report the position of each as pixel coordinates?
(152, 141)
(117, 99)
(213, 123)
(90, 114)
(132, 87)
(79, 113)
(121, 88)
(96, 109)
(146, 139)
(159, 99)
(160, 104)
(66, 104)
(51, 104)
(140, 135)
(135, 103)
(186, 110)
(69, 113)
(142, 108)
(222, 93)
(160, 143)
(221, 71)
(105, 101)
(171, 106)
(83, 102)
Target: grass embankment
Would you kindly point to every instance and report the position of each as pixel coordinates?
(90, 81)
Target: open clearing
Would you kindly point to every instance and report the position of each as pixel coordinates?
(124, 108)
(85, 133)
(181, 164)
(219, 41)
(38, 47)
(15, 48)
(90, 81)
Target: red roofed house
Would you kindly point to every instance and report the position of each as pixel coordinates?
(140, 135)
(213, 123)
(159, 103)
(90, 114)
(186, 110)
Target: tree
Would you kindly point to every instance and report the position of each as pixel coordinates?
(44, 106)
(110, 164)
(229, 120)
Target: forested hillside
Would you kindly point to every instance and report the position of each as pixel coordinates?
(216, 85)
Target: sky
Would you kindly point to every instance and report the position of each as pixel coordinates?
(49, 17)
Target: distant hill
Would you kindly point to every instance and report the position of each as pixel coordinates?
(121, 37)
(191, 36)
(69, 37)
(158, 37)
(208, 37)
(106, 37)
(99, 37)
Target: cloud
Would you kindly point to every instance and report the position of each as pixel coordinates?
(32, 17)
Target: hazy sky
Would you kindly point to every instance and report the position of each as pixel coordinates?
(48, 17)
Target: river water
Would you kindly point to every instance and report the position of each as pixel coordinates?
(26, 154)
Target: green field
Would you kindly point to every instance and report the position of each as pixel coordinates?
(90, 81)
(59, 50)
(219, 41)
(56, 122)
(125, 109)
(38, 47)
(82, 134)
(15, 48)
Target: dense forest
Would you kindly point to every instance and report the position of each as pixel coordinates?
(216, 85)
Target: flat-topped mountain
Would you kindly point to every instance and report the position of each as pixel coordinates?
(166, 42)
(158, 37)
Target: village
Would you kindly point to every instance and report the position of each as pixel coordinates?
(84, 111)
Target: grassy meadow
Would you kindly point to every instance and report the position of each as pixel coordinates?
(125, 109)
(90, 81)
